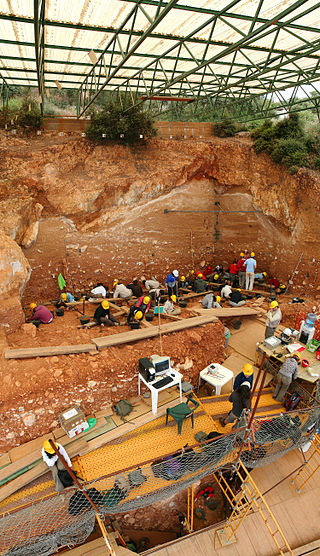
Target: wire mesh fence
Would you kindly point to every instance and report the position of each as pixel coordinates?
(67, 519)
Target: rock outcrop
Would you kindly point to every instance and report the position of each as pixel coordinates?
(14, 274)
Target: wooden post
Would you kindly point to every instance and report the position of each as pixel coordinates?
(160, 336)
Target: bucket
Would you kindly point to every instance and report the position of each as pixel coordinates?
(60, 312)
(149, 317)
(134, 325)
(237, 324)
(182, 303)
(310, 320)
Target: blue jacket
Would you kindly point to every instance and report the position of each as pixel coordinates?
(170, 280)
(70, 298)
(240, 378)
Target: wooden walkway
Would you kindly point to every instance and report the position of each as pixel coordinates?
(298, 515)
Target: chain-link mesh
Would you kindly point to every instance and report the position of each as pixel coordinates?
(67, 519)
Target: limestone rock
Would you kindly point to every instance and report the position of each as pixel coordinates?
(14, 274)
(29, 419)
(29, 329)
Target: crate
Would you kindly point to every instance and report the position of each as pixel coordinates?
(313, 345)
(73, 421)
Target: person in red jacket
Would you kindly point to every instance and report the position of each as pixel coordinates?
(242, 270)
(40, 315)
(233, 272)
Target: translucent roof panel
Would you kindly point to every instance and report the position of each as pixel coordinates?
(189, 48)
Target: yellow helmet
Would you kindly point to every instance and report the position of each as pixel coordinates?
(138, 315)
(183, 278)
(274, 304)
(297, 354)
(252, 254)
(238, 289)
(200, 275)
(218, 298)
(48, 448)
(247, 369)
(216, 276)
(241, 254)
(105, 304)
(32, 306)
(64, 296)
(191, 271)
(115, 282)
(264, 274)
(282, 287)
(174, 298)
(146, 299)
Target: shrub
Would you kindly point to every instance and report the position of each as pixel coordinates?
(29, 115)
(113, 122)
(224, 129)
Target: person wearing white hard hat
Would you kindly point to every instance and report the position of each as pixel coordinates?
(273, 319)
(172, 283)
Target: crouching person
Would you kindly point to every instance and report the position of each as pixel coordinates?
(57, 468)
(103, 316)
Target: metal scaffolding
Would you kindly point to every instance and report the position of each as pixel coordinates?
(244, 55)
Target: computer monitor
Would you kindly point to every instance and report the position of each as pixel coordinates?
(160, 363)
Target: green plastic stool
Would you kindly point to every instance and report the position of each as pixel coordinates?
(181, 412)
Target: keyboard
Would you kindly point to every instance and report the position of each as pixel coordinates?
(163, 382)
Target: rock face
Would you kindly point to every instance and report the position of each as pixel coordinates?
(14, 274)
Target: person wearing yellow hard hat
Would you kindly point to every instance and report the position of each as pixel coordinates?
(40, 315)
(182, 282)
(103, 316)
(120, 290)
(65, 300)
(50, 457)
(135, 319)
(250, 265)
(242, 270)
(211, 301)
(274, 317)
(245, 375)
(200, 284)
(169, 306)
(287, 373)
(143, 304)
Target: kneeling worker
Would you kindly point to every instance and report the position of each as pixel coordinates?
(51, 459)
(211, 301)
(143, 304)
(103, 316)
(135, 317)
(40, 315)
(245, 376)
(169, 308)
(236, 299)
(65, 298)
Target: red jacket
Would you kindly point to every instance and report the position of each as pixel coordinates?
(140, 302)
(233, 268)
(208, 271)
(241, 265)
(43, 314)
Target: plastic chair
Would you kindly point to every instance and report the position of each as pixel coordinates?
(182, 411)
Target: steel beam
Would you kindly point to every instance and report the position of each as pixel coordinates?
(39, 29)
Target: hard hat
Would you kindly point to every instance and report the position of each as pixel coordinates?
(48, 448)
(146, 299)
(191, 271)
(247, 369)
(264, 274)
(241, 254)
(252, 254)
(115, 281)
(174, 298)
(138, 315)
(32, 305)
(238, 289)
(175, 273)
(246, 383)
(218, 298)
(200, 275)
(297, 355)
(216, 276)
(183, 278)
(105, 304)
(274, 304)
(282, 287)
(64, 296)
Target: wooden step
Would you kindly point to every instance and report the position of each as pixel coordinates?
(47, 351)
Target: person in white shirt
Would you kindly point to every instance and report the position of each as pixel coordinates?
(153, 286)
(52, 460)
(99, 291)
(250, 265)
(226, 291)
(211, 301)
(121, 291)
(169, 308)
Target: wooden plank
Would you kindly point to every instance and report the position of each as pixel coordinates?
(136, 335)
(5, 459)
(229, 311)
(37, 471)
(22, 451)
(25, 353)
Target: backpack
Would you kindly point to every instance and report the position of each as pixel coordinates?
(123, 408)
(292, 401)
(65, 478)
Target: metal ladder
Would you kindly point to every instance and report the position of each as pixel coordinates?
(311, 465)
(249, 499)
